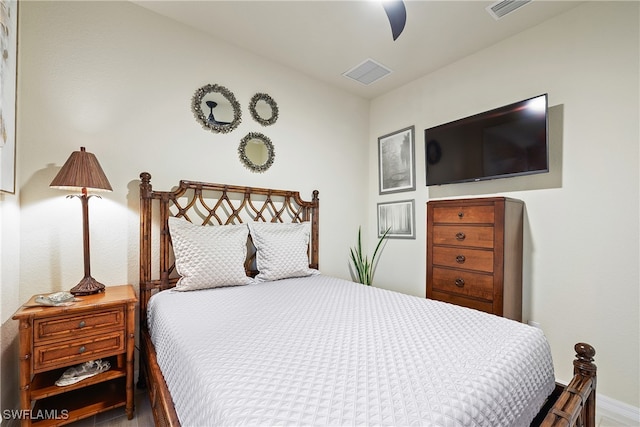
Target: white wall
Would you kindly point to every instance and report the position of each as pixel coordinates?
(581, 220)
(9, 298)
(119, 79)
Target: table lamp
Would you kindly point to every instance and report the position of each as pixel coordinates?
(82, 172)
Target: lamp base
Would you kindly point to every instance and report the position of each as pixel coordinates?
(87, 286)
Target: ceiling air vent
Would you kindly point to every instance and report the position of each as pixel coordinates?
(505, 7)
(367, 72)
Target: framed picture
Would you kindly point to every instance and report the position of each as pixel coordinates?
(397, 217)
(8, 69)
(396, 161)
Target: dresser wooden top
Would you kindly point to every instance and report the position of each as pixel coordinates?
(111, 296)
(474, 200)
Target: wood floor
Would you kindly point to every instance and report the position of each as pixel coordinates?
(117, 418)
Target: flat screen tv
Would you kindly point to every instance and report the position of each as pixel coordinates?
(507, 141)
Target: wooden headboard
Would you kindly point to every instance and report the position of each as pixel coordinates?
(209, 204)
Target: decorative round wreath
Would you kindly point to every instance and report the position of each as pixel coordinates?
(247, 161)
(218, 127)
(254, 113)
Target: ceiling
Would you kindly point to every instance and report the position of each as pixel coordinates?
(325, 39)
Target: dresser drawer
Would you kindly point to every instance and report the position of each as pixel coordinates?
(65, 327)
(463, 235)
(483, 214)
(485, 306)
(469, 259)
(77, 351)
(464, 283)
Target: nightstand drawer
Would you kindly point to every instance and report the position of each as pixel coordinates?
(461, 235)
(460, 282)
(77, 351)
(64, 327)
(483, 214)
(468, 259)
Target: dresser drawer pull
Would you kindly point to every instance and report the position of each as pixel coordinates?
(460, 214)
(460, 236)
(460, 259)
(82, 324)
(82, 349)
(459, 282)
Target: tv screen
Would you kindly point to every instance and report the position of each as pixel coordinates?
(507, 141)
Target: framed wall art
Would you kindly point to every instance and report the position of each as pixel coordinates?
(396, 161)
(397, 217)
(8, 69)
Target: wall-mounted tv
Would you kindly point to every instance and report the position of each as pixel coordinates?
(507, 141)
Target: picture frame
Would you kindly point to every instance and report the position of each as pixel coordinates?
(399, 218)
(396, 161)
(8, 84)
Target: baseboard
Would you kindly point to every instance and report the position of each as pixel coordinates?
(613, 413)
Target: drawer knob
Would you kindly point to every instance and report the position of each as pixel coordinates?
(82, 349)
(460, 214)
(459, 282)
(460, 259)
(82, 324)
(460, 236)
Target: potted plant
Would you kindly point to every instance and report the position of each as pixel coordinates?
(364, 268)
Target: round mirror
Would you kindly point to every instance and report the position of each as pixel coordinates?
(264, 109)
(256, 152)
(216, 109)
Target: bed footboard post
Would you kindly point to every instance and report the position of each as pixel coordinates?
(584, 366)
(576, 406)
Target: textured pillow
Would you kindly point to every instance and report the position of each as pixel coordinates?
(208, 256)
(281, 250)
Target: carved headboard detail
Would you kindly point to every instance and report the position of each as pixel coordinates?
(210, 204)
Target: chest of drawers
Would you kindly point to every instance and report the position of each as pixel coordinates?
(474, 254)
(52, 339)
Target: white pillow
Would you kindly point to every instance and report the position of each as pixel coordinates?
(208, 256)
(281, 250)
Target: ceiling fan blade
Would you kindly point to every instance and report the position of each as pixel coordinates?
(397, 14)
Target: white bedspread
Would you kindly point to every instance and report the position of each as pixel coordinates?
(324, 351)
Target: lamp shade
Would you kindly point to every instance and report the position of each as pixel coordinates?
(81, 170)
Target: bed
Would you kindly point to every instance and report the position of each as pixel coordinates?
(245, 334)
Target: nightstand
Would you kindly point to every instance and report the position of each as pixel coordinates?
(101, 326)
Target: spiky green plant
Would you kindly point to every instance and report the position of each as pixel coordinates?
(364, 268)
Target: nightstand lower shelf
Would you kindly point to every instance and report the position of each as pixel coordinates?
(44, 384)
(80, 403)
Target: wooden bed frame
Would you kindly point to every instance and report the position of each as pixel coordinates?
(207, 203)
